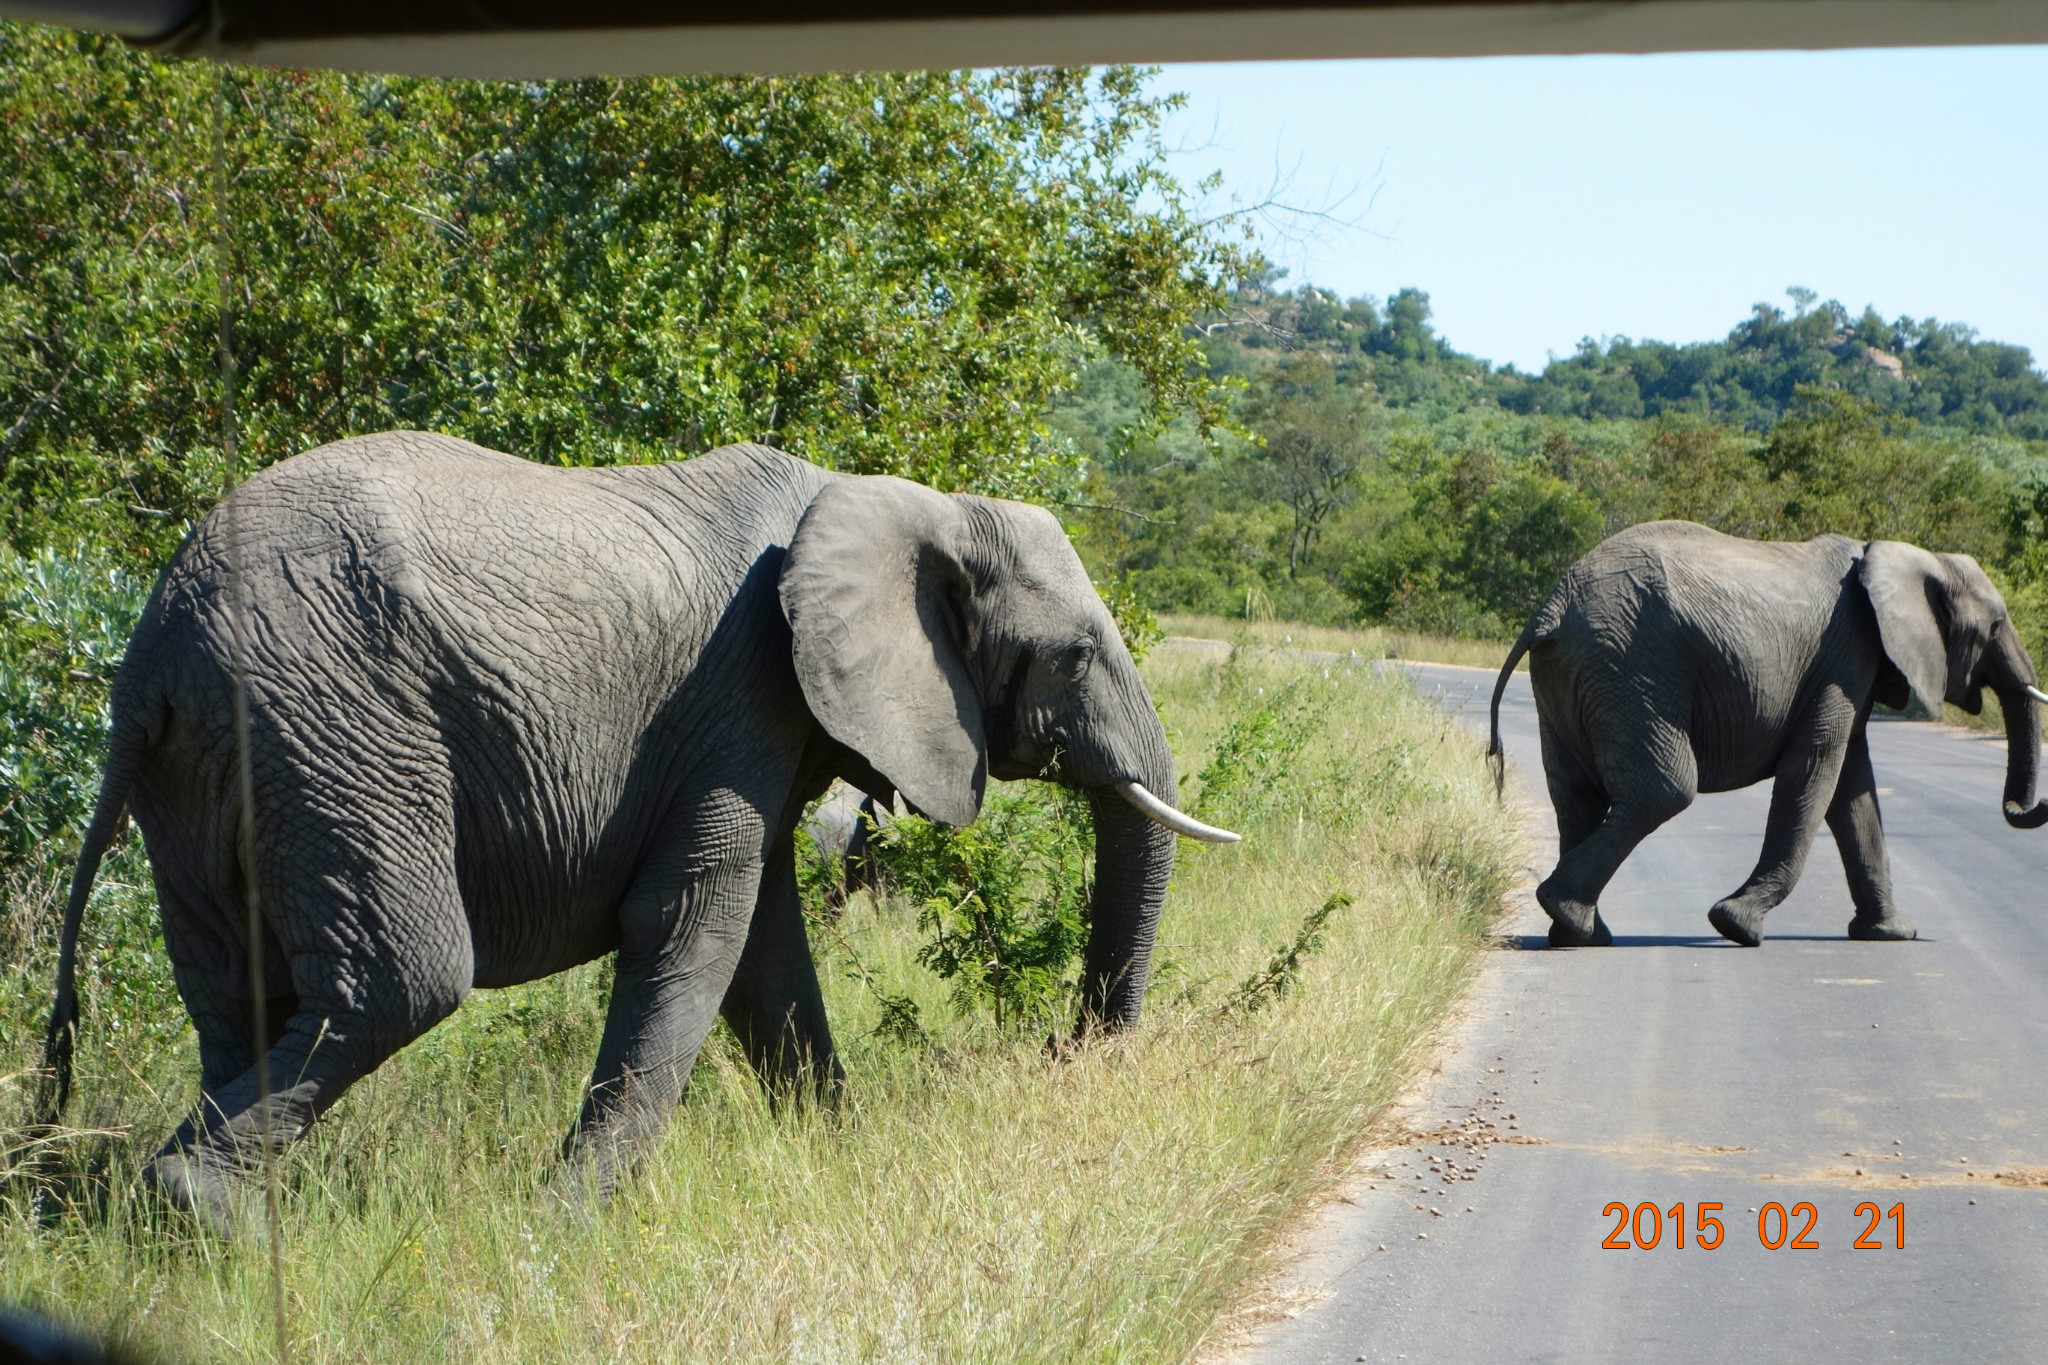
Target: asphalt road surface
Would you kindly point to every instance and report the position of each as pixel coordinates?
(1675, 1068)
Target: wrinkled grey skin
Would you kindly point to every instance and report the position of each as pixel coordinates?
(1673, 660)
(507, 718)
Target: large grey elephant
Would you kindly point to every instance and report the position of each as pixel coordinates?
(1673, 660)
(505, 718)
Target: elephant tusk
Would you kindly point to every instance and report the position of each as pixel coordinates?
(2036, 693)
(1160, 813)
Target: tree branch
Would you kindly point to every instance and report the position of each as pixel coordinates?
(1121, 511)
(34, 410)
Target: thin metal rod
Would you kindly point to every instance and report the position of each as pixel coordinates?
(245, 781)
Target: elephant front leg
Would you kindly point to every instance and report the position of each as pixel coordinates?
(1805, 786)
(1859, 834)
(683, 928)
(774, 1006)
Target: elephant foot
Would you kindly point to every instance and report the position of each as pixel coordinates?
(1573, 924)
(1738, 923)
(1565, 934)
(195, 1186)
(1892, 929)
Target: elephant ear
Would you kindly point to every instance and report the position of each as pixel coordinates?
(1904, 582)
(876, 596)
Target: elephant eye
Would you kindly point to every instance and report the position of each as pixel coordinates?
(1071, 664)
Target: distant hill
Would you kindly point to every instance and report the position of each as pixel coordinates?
(1938, 373)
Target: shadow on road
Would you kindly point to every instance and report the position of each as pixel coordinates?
(1530, 943)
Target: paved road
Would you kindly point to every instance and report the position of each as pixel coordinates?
(1674, 1067)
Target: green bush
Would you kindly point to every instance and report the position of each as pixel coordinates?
(64, 624)
(1254, 758)
(1003, 903)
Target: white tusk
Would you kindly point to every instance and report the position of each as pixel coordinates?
(2036, 693)
(1160, 813)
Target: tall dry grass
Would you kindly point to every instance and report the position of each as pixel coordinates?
(970, 1200)
(1369, 642)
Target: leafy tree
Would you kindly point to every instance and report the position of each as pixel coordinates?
(1711, 474)
(1316, 438)
(887, 273)
(68, 617)
(1936, 372)
(1003, 903)
(1840, 464)
(1521, 532)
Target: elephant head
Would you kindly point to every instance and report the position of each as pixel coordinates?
(947, 639)
(1946, 631)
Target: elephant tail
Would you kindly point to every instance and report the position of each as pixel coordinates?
(123, 756)
(1496, 756)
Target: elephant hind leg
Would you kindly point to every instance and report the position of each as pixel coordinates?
(1575, 794)
(1637, 799)
(378, 951)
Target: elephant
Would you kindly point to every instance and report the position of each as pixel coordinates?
(1673, 659)
(500, 718)
(841, 829)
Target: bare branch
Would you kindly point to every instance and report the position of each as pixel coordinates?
(34, 410)
(1121, 511)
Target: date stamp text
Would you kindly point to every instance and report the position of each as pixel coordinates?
(1648, 1226)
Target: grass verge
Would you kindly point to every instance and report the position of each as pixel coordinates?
(970, 1200)
(1373, 642)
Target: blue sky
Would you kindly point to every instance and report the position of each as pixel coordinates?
(1541, 200)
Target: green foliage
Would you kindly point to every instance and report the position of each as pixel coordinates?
(1003, 902)
(1316, 438)
(818, 877)
(1387, 349)
(1840, 463)
(884, 273)
(1925, 369)
(1283, 969)
(1267, 730)
(1135, 621)
(1484, 537)
(65, 619)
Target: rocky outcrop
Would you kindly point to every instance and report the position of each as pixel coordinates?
(1884, 360)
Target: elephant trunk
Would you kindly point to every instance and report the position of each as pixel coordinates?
(1133, 862)
(2022, 758)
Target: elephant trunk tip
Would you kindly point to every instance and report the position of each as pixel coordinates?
(2021, 817)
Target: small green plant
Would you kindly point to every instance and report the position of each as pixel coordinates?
(1267, 732)
(1003, 902)
(1262, 988)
